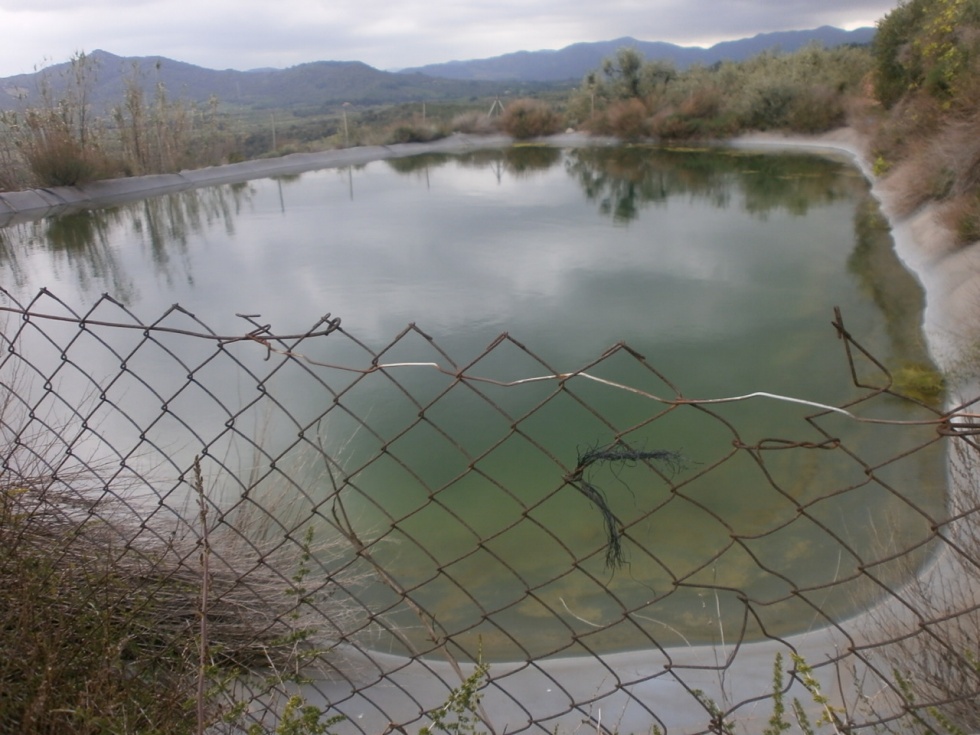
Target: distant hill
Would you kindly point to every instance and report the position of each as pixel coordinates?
(318, 85)
(325, 85)
(575, 61)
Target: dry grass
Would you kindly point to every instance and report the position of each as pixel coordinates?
(923, 175)
(102, 622)
(57, 158)
(943, 165)
(961, 215)
(929, 653)
(474, 123)
(113, 620)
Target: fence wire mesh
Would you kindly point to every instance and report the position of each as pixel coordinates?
(407, 538)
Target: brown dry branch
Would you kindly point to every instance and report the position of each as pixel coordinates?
(927, 652)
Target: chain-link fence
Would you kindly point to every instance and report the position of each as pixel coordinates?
(401, 538)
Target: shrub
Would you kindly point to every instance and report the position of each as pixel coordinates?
(414, 132)
(815, 110)
(58, 159)
(598, 124)
(627, 120)
(767, 105)
(528, 118)
(913, 120)
(476, 123)
(962, 216)
(704, 101)
(671, 125)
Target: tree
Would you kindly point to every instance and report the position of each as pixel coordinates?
(623, 73)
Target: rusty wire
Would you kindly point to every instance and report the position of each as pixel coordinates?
(129, 412)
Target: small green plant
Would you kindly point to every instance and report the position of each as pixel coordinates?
(919, 382)
(881, 166)
(830, 715)
(415, 131)
(777, 721)
(936, 719)
(458, 715)
(300, 718)
(718, 722)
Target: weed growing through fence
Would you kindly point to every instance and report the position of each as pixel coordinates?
(460, 713)
(719, 724)
(931, 718)
(80, 649)
(300, 718)
(777, 721)
(829, 714)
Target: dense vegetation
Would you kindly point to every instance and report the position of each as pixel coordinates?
(809, 91)
(927, 80)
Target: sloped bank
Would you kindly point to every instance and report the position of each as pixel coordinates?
(948, 272)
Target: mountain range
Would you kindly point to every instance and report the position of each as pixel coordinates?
(577, 60)
(325, 85)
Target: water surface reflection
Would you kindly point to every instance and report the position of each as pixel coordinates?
(722, 268)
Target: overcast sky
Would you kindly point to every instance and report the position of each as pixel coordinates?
(387, 34)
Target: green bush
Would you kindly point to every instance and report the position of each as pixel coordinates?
(670, 125)
(896, 69)
(808, 91)
(767, 105)
(928, 47)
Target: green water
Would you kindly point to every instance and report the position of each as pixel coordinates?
(719, 269)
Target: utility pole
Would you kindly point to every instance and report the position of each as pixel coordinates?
(346, 133)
